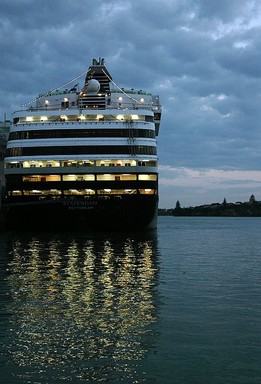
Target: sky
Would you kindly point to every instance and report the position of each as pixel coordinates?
(202, 57)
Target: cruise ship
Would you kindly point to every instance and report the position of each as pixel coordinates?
(84, 156)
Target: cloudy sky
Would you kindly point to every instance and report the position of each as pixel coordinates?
(201, 56)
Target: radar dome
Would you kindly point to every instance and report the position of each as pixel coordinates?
(92, 86)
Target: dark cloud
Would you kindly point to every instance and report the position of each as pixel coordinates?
(225, 10)
(201, 56)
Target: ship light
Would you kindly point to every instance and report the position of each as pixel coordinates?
(64, 117)
(99, 116)
(46, 102)
(82, 117)
(134, 117)
(107, 190)
(29, 118)
(147, 190)
(119, 117)
(44, 118)
(142, 100)
(65, 99)
(120, 98)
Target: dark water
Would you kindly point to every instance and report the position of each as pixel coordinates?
(178, 305)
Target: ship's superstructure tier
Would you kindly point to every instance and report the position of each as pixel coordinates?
(94, 143)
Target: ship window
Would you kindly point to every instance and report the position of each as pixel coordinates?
(15, 193)
(33, 192)
(151, 163)
(128, 177)
(78, 177)
(68, 133)
(43, 192)
(112, 176)
(41, 178)
(64, 104)
(80, 150)
(116, 191)
(76, 192)
(79, 163)
(106, 177)
(149, 118)
(12, 165)
(147, 191)
(147, 177)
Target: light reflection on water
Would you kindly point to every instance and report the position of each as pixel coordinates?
(81, 308)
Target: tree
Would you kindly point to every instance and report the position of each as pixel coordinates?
(252, 199)
(177, 205)
(224, 201)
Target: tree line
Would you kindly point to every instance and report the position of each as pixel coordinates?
(250, 208)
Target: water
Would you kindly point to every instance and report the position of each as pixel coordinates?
(177, 305)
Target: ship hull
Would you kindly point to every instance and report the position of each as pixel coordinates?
(114, 214)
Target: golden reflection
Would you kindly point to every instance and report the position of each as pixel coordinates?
(85, 308)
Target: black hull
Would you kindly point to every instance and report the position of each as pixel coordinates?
(134, 212)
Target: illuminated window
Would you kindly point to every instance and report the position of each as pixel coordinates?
(90, 191)
(37, 192)
(130, 191)
(78, 177)
(51, 164)
(81, 118)
(15, 193)
(147, 177)
(77, 192)
(116, 191)
(41, 178)
(113, 176)
(105, 177)
(147, 191)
